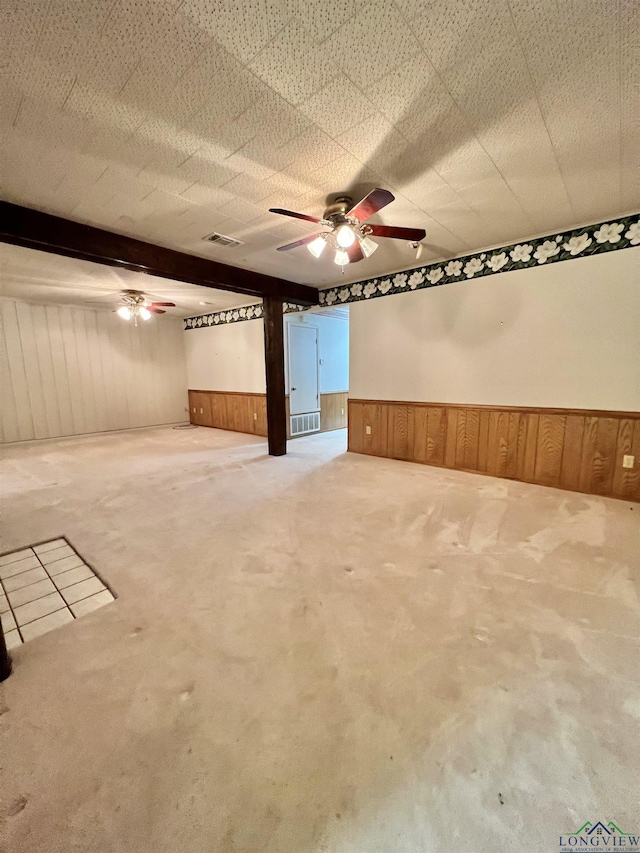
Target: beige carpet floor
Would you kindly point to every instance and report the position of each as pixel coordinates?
(321, 652)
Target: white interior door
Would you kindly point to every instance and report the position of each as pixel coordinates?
(304, 392)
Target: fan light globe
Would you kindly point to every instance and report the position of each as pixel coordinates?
(144, 312)
(368, 247)
(124, 312)
(341, 258)
(317, 246)
(345, 236)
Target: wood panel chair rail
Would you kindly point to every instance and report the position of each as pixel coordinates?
(577, 449)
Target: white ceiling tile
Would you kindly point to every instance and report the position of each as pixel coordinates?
(259, 158)
(409, 8)
(104, 65)
(374, 135)
(413, 84)
(122, 179)
(338, 106)
(103, 110)
(241, 210)
(372, 43)
(220, 83)
(22, 27)
(202, 169)
(292, 64)
(340, 175)
(10, 100)
(286, 184)
(135, 25)
(163, 203)
(201, 195)
(105, 144)
(154, 176)
(322, 19)
(244, 186)
(72, 32)
(244, 27)
(52, 128)
(479, 120)
(40, 81)
(309, 151)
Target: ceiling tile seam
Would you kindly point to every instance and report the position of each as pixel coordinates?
(336, 31)
(108, 18)
(18, 111)
(341, 293)
(131, 73)
(69, 93)
(263, 48)
(537, 97)
(45, 17)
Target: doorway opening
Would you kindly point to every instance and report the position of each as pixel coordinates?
(317, 370)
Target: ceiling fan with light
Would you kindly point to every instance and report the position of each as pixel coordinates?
(135, 304)
(350, 234)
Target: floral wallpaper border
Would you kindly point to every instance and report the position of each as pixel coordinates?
(580, 242)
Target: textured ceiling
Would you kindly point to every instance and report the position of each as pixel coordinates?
(40, 277)
(491, 120)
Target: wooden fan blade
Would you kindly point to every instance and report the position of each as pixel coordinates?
(155, 310)
(370, 204)
(295, 245)
(167, 304)
(294, 214)
(413, 234)
(355, 253)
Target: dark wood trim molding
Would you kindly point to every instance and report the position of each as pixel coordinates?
(274, 365)
(580, 450)
(34, 229)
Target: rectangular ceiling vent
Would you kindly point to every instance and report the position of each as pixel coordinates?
(301, 424)
(222, 240)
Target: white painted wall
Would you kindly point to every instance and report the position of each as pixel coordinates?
(566, 335)
(333, 350)
(69, 371)
(229, 357)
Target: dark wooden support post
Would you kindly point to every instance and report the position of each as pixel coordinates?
(5, 660)
(274, 361)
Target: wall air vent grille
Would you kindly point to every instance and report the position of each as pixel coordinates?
(301, 424)
(222, 240)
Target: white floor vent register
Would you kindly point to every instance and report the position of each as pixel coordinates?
(301, 424)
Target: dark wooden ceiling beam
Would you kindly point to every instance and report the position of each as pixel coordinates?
(23, 226)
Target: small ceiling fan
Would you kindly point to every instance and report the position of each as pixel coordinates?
(350, 236)
(136, 304)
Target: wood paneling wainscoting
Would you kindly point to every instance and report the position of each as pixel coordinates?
(333, 411)
(574, 449)
(235, 410)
